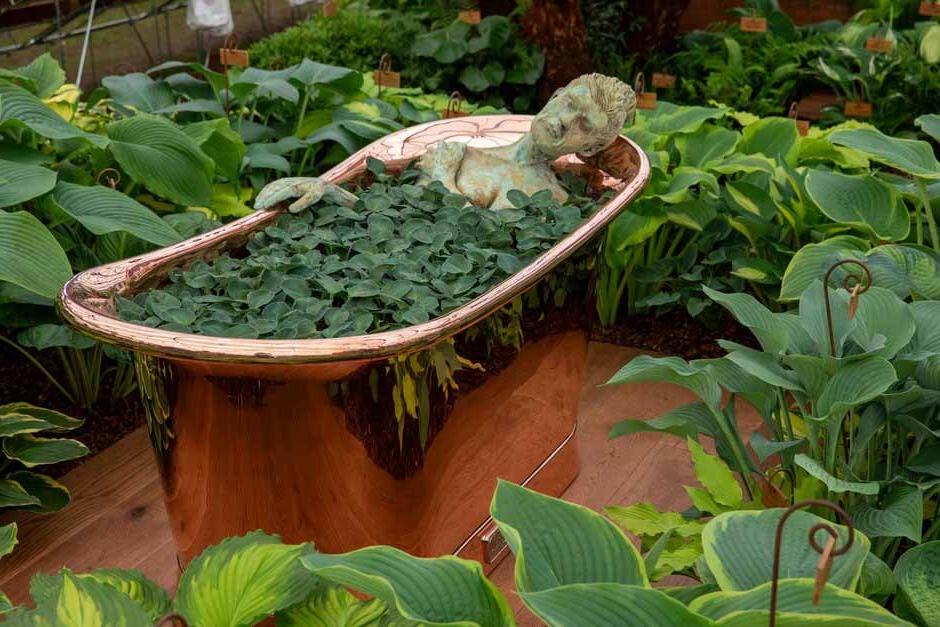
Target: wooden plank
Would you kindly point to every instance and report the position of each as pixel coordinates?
(117, 518)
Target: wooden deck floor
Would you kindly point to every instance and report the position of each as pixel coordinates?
(117, 517)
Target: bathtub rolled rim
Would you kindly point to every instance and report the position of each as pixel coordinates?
(84, 299)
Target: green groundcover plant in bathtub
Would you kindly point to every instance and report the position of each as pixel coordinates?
(572, 567)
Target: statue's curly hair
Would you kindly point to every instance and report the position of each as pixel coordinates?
(614, 97)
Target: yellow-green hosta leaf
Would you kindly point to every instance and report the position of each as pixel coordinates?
(242, 580)
(606, 604)
(908, 155)
(30, 256)
(45, 589)
(430, 591)
(7, 538)
(333, 606)
(21, 108)
(84, 602)
(715, 476)
(862, 202)
(739, 549)
(643, 519)
(558, 543)
(918, 575)
(794, 597)
(703, 501)
(683, 119)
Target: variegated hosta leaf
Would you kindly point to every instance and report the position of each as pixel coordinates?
(32, 451)
(739, 549)
(862, 202)
(29, 416)
(709, 143)
(795, 603)
(45, 589)
(333, 606)
(242, 580)
(81, 602)
(605, 604)
(438, 591)
(918, 575)
(558, 543)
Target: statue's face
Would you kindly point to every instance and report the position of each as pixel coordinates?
(571, 122)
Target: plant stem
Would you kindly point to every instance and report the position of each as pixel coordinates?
(42, 369)
(928, 213)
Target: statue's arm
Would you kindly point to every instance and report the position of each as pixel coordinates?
(307, 190)
(442, 163)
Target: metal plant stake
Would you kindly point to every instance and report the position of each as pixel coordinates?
(855, 284)
(826, 553)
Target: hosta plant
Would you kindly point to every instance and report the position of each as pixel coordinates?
(27, 441)
(573, 567)
(851, 416)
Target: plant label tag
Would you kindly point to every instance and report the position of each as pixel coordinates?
(753, 24)
(663, 81)
(385, 78)
(878, 44)
(858, 109)
(646, 100)
(470, 16)
(930, 8)
(233, 57)
(329, 8)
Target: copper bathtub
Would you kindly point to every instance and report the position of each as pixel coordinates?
(249, 435)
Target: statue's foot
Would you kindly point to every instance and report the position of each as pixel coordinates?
(307, 190)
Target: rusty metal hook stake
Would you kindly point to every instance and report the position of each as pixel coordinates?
(827, 552)
(854, 284)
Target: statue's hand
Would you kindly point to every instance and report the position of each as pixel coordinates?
(307, 190)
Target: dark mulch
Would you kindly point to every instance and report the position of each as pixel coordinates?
(676, 333)
(104, 425)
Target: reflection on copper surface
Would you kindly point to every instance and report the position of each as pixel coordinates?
(252, 433)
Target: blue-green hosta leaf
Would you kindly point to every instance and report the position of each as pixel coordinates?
(103, 210)
(927, 461)
(20, 182)
(764, 366)
(834, 484)
(43, 336)
(139, 91)
(769, 329)
(862, 202)
(908, 155)
(884, 324)
(776, 138)
(901, 514)
(312, 73)
(32, 451)
(684, 421)
(765, 448)
(814, 320)
(242, 580)
(795, 599)
(926, 339)
(21, 108)
(30, 257)
(604, 604)
(683, 119)
(930, 124)
(438, 591)
(223, 145)
(333, 606)
(853, 384)
(715, 476)
(706, 145)
(558, 543)
(674, 370)
(918, 575)
(739, 549)
(877, 581)
(162, 158)
(45, 72)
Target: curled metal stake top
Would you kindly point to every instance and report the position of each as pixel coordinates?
(829, 529)
(639, 84)
(454, 103)
(109, 177)
(231, 42)
(855, 283)
(385, 62)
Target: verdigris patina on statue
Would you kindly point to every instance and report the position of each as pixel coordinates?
(583, 118)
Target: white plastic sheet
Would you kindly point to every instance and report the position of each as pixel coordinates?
(213, 17)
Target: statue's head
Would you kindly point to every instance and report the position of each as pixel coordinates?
(584, 117)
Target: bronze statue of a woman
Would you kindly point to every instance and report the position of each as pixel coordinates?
(583, 118)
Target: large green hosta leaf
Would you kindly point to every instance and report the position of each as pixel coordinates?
(222, 144)
(439, 591)
(18, 107)
(20, 182)
(794, 598)
(774, 137)
(605, 604)
(930, 124)
(139, 91)
(44, 589)
(918, 575)
(163, 159)
(45, 72)
(684, 421)
(908, 155)
(675, 370)
(680, 119)
(103, 210)
(834, 484)
(558, 543)
(242, 580)
(82, 602)
(901, 514)
(30, 256)
(706, 145)
(739, 549)
(862, 202)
